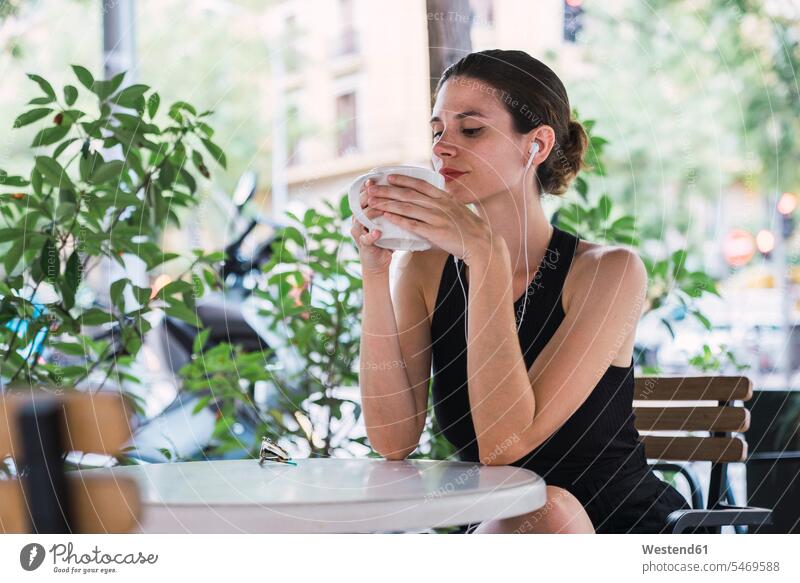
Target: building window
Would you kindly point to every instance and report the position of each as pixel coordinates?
(573, 19)
(346, 130)
(291, 40)
(347, 42)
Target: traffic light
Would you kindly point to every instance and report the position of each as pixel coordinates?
(787, 204)
(573, 19)
(765, 241)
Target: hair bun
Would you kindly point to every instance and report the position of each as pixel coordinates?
(577, 144)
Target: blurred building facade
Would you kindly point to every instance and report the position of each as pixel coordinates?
(350, 83)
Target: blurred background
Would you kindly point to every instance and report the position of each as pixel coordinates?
(693, 107)
(697, 100)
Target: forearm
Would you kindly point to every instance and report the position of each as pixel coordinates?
(390, 412)
(501, 396)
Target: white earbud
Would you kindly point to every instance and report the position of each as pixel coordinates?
(534, 151)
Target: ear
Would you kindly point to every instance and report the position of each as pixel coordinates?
(543, 135)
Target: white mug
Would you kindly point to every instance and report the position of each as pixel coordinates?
(392, 236)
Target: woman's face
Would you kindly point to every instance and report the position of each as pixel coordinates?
(473, 134)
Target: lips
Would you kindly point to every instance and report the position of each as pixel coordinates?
(450, 174)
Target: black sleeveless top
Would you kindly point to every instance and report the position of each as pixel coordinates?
(598, 440)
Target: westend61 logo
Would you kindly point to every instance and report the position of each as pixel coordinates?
(65, 560)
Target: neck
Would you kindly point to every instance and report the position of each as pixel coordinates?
(505, 212)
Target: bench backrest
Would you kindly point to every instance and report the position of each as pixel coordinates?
(681, 405)
(84, 422)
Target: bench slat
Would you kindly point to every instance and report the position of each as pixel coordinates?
(692, 418)
(693, 389)
(710, 449)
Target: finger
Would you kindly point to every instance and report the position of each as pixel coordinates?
(417, 227)
(407, 209)
(370, 238)
(422, 186)
(357, 229)
(363, 197)
(378, 192)
(372, 212)
(366, 184)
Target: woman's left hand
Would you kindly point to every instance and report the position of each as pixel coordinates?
(421, 208)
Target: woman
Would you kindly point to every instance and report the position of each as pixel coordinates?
(540, 375)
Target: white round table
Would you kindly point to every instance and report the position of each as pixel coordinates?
(324, 495)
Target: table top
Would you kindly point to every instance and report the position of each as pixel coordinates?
(328, 495)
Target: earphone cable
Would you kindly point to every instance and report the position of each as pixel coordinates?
(534, 150)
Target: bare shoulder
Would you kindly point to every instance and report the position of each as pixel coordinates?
(599, 268)
(422, 269)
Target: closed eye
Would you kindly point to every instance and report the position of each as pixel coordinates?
(466, 131)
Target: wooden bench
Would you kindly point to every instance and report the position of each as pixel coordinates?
(684, 406)
(36, 430)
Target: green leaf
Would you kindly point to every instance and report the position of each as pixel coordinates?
(185, 106)
(63, 146)
(41, 101)
(49, 136)
(13, 256)
(105, 88)
(117, 290)
(31, 116)
(44, 85)
(582, 187)
(84, 76)
(201, 404)
(107, 171)
(188, 180)
(70, 116)
(678, 263)
(604, 205)
(142, 294)
(626, 223)
(88, 164)
(49, 261)
(72, 348)
(72, 278)
(702, 319)
(129, 96)
(200, 341)
(293, 234)
(180, 311)
(214, 257)
(206, 129)
(344, 207)
(70, 94)
(95, 317)
(52, 172)
(152, 105)
(216, 152)
(7, 235)
(7, 180)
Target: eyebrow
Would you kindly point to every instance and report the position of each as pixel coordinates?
(462, 115)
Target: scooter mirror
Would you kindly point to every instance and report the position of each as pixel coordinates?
(245, 188)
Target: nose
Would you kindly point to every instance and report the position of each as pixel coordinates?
(442, 148)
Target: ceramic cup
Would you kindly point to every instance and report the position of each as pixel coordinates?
(392, 236)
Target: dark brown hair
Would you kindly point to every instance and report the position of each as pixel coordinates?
(534, 95)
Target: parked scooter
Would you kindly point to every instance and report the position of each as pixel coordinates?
(230, 316)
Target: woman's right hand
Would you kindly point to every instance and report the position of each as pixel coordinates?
(374, 259)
